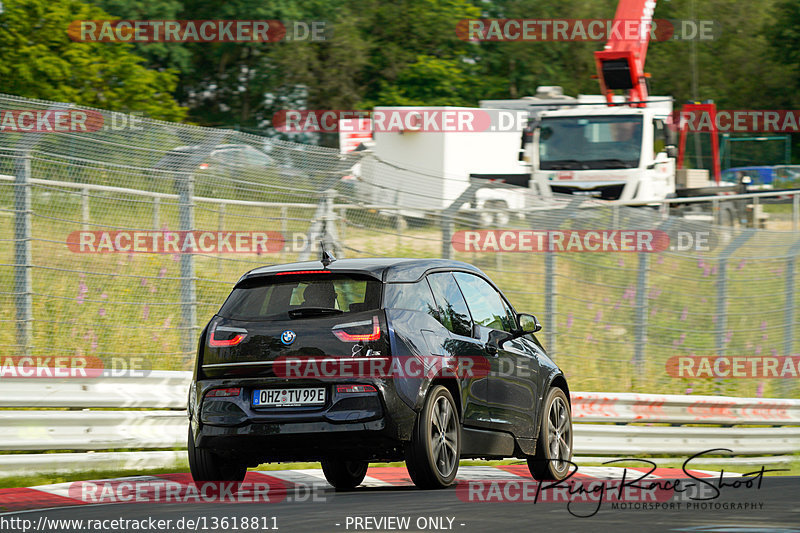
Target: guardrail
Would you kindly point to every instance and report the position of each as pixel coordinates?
(628, 408)
(605, 423)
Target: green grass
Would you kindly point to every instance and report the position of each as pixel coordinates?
(34, 480)
(125, 306)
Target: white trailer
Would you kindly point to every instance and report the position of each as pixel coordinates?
(421, 171)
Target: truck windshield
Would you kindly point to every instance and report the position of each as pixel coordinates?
(582, 143)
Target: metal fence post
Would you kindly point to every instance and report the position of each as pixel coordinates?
(640, 322)
(789, 317)
(156, 213)
(85, 215)
(722, 290)
(550, 311)
(23, 283)
(184, 185)
(715, 211)
(556, 219)
(23, 256)
(447, 236)
(285, 232)
(187, 270)
(220, 229)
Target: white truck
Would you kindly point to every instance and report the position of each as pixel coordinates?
(417, 172)
(584, 146)
(613, 153)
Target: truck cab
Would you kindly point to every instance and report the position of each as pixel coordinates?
(612, 153)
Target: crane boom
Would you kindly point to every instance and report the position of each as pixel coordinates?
(620, 65)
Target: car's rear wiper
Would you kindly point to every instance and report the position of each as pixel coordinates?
(313, 311)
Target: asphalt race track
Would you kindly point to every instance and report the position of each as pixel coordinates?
(398, 506)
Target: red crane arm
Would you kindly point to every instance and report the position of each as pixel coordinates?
(620, 65)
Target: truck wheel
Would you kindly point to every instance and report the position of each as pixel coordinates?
(554, 446)
(434, 451)
(728, 217)
(497, 218)
(344, 475)
(206, 465)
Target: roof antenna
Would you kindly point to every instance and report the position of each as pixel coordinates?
(327, 257)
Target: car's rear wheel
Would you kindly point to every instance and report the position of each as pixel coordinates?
(554, 448)
(432, 455)
(344, 475)
(206, 465)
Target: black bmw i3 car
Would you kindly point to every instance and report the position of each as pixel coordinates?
(363, 360)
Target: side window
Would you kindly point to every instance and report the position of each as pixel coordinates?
(485, 304)
(659, 136)
(414, 296)
(451, 308)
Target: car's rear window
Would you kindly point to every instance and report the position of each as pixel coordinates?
(273, 297)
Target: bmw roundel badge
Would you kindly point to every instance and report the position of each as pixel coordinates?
(287, 337)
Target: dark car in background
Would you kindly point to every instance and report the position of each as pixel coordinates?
(247, 407)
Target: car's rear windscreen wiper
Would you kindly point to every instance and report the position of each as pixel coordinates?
(313, 311)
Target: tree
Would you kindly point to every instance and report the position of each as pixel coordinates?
(784, 38)
(159, 56)
(38, 60)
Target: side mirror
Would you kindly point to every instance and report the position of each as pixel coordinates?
(528, 324)
(661, 157)
(672, 151)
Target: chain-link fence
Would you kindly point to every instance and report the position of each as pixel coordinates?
(75, 282)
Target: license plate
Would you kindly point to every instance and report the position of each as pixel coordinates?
(288, 397)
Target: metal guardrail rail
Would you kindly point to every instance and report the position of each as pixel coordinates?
(628, 408)
(606, 423)
(160, 389)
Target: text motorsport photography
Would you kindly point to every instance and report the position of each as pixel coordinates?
(637, 489)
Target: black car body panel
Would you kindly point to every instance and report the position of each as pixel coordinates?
(421, 311)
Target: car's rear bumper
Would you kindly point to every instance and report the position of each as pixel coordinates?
(257, 443)
(363, 425)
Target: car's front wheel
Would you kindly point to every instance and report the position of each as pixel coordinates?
(554, 448)
(432, 455)
(344, 475)
(206, 465)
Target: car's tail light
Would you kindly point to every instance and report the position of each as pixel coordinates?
(222, 393)
(353, 389)
(225, 336)
(358, 331)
